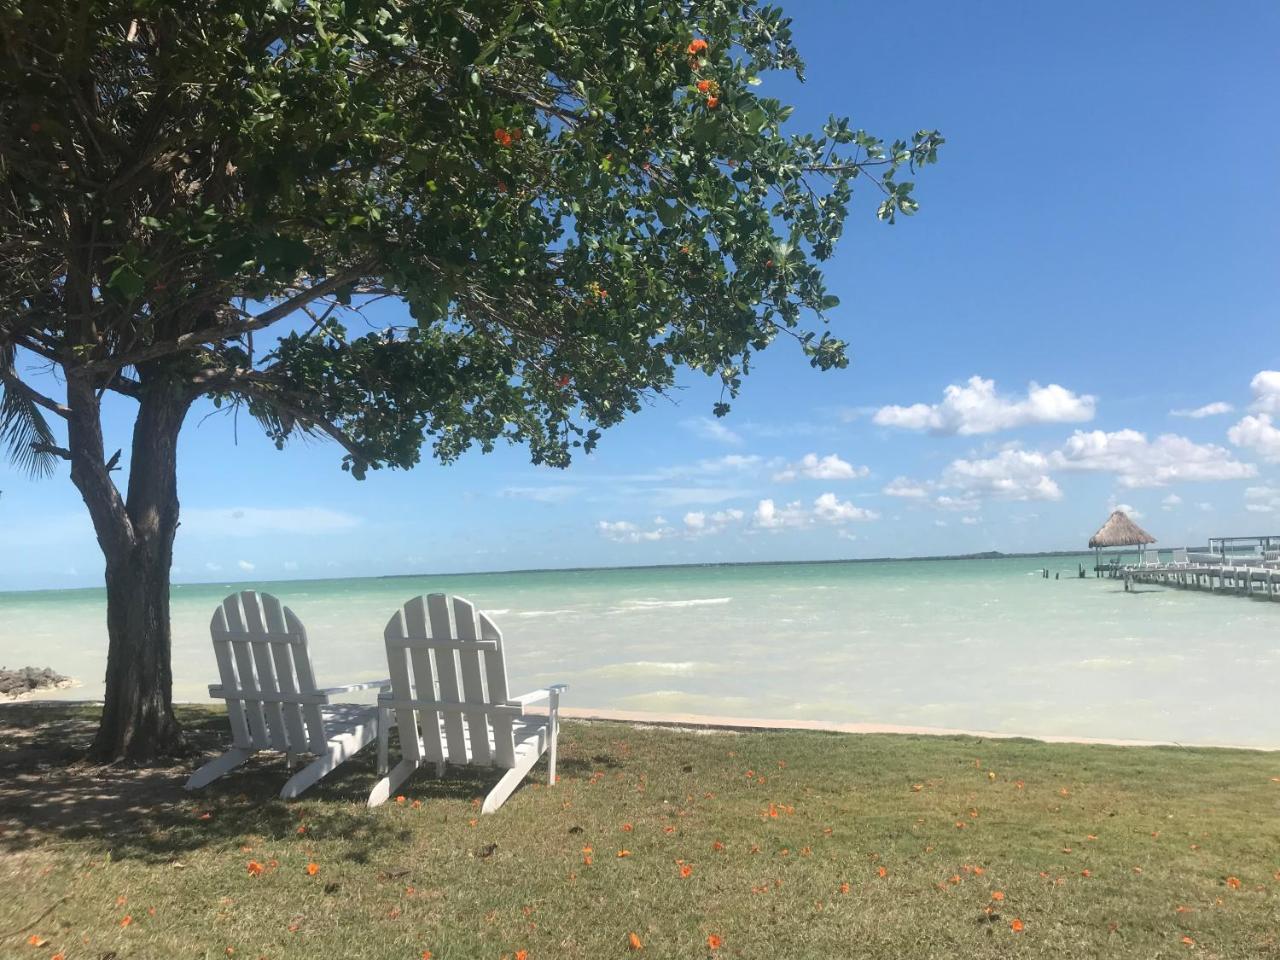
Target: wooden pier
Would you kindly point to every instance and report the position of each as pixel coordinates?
(1218, 571)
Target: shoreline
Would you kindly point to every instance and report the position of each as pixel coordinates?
(708, 722)
(727, 724)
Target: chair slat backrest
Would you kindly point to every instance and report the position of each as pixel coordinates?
(444, 654)
(264, 664)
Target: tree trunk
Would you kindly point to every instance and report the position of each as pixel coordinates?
(137, 716)
(136, 536)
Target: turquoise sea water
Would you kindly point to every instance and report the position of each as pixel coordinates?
(974, 644)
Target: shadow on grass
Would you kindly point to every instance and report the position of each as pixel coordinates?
(49, 791)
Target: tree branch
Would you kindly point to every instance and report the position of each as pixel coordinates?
(214, 334)
(12, 382)
(303, 417)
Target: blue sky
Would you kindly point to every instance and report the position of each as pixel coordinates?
(1097, 248)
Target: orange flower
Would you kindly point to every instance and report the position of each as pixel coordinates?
(522, 955)
(1019, 784)
(881, 872)
(696, 47)
(979, 871)
(1184, 910)
(773, 811)
(313, 869)
(686, 872)
(126, 920)
(1016, 926)
(255, 868)
(954, 878)
(472, 822)
(623, 853)
(997, 895)
(502, 137)
(668, 829)
(426, 955)
(917, 787)
(633, 941)
(206, 815)
(717, 845)
(58, 956)
(417, 804)
(1085, 873)
(627, 828)
(713, 102)
(704, 86)
(400, 799)
(1188, 941)
(301, 831)
(36, 940)
(1233, 883)
(844, 887)
(714, 942)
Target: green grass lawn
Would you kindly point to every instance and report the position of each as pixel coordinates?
(797, 844)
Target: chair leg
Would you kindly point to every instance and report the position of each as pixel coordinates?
(384, 739)
(553, 721)
(341, 748)
(507, 785)
(381, 791)
(215, 768)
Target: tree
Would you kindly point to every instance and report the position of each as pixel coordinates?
(574, 198)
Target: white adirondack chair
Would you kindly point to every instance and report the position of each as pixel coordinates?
(272, 699)
(449, 697)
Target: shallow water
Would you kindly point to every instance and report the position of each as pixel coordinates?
(974, 644)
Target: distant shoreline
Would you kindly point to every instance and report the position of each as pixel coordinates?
(986, 555)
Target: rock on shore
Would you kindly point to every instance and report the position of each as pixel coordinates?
(16, 683)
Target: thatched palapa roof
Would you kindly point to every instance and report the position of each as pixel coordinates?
(1120, 531)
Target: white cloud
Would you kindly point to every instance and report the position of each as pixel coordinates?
(217, 522)
(245, 565)
(1139, 462)
(213, 567)
(940, 523)
(1012, 474)
(291, 565)
(1266, 392)
(1171, 501)
(624, 531)
(813, 467)
(1214, 409)
(902, 487)
(696, 523)
(970, 521)
(1262, 499)
(1257, 433)
(977, 408)
(552, 493)
(826, 509)
(700, 524)
(1132, 512)
(770, 517)
(711, 429)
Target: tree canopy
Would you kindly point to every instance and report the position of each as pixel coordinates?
(573, 197)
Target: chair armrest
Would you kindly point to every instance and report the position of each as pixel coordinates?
(352, 687)
(527, 698)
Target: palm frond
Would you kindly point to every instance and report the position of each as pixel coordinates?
(24, 432)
